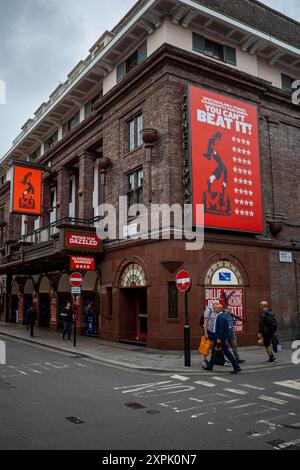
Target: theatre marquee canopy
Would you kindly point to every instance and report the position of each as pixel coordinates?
(225, 161)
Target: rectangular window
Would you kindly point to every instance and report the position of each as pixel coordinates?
(135, 126)
(71, 191)
(51, 141)
(89, 105)
(1, 214)
(138, 56)
(172, 300)
(71, 124)
(135, 181)
(109, 295)
(287, 82)
(214, 49)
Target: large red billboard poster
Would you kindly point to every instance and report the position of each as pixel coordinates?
(225, 161)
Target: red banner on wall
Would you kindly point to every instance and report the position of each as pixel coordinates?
(84, 263)
(225, 161)
(26, 189)
(236, 304)
(82, 241)
(53, 311)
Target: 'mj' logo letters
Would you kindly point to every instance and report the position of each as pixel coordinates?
(2, 92)
(2, 353)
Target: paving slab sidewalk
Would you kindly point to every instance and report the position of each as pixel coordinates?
(134, 357)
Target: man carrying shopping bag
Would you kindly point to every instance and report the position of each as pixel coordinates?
(209, 325)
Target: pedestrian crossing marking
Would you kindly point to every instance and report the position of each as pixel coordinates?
(277, 401)
(253, 387)
(247, 405)
(180, 377)
(221, 379)
(205, 384)
(295, 384)
(288, 395)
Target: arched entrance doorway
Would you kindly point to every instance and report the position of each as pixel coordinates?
(14, 303)
(134, 311)
(44, 303)
(28, 296)
(225, 283)
(90, 304)
(63, 296)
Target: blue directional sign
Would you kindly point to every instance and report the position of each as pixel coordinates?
(225, 277)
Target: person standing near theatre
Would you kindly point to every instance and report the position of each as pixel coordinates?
(210, 317)
(31, 318)
(221, 336)
(232, 340)
(67, 317)
(267, 328)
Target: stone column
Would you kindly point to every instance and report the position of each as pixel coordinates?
(62, 204)
(86, 186)
(45, 218)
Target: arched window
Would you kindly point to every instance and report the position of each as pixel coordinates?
(133, 276)
(224, 273)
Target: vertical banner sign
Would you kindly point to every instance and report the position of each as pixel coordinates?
(225, 161)
(236, 304)
(26, 190)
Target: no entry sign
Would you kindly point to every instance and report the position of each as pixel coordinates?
(183, 281)
(76, 279)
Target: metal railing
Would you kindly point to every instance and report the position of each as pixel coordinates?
(45, 234)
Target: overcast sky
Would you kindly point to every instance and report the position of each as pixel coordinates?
(42, 40)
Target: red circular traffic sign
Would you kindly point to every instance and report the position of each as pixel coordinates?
(183, 281)
(76, 279)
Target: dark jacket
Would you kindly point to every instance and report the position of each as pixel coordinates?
(31, 316)
(67, 314)
(268, 323)
(223, 330)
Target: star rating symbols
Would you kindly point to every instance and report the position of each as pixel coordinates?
(234, 159)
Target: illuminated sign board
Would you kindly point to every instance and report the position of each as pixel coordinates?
(225, 161)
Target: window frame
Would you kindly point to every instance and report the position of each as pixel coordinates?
(133, 133)
(229, 53)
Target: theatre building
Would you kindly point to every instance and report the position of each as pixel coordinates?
(183, 102)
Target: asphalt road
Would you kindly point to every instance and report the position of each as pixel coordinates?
(120, 409)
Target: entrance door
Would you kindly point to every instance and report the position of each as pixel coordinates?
(141, 315)
(44, 314)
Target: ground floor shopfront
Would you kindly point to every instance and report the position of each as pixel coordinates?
(132, 297)
(50, 293)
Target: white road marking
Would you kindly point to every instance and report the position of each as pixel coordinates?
(221, 379)
(286, 445)
(180, 377)
(236, 391)
(57, 365)
(247, 405)
(229, 430)
(205, 384)
(253, 387)
(272, 400)
(288, 395)
(18, 370)
(271, 427)
(136, 388)
(295, 384)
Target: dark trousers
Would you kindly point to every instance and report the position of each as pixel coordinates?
(31, 326)
(68, 326)
(226, 352)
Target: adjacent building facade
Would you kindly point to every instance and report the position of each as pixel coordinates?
(120, 126)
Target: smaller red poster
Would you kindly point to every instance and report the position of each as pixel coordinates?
(53, 311)
(21, 309)
(83, 263)
(236, 303)
(26, 191)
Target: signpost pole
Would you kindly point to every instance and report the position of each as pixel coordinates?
(75, 318)
(183, 283)
(187, 335)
